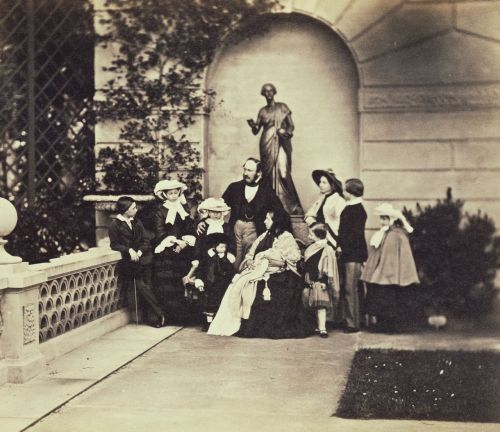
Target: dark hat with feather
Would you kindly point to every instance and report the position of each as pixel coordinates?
(330, 176)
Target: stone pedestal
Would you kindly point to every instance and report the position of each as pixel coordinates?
(299, 228)
(19, 345)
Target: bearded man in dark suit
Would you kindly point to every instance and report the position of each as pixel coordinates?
(250, 200)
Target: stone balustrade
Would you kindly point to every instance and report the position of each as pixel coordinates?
(78, 290)
(41, 302)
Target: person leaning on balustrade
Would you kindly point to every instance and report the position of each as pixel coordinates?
(127, 236)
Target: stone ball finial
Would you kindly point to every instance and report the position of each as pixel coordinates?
(8, 222)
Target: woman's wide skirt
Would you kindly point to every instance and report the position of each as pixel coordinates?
(392, 302)
(169, 269)
(284, 316)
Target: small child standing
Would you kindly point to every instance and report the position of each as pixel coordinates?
(353, 251)
(321, 277)
(127, 236)
(213, 266)
(214, 274)
(213, 211)
(390, 267)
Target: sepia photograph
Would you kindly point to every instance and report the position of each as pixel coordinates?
(249, 215)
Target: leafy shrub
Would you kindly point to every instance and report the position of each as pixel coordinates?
(157, 89)
(127, 170)
(53, 227)
(457, 255)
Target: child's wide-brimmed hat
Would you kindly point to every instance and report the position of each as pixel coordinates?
(330, 176)
(214, 204)
(165, 185)
(386, 209)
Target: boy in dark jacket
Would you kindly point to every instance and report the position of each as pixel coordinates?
(127, 236)
(353, 250)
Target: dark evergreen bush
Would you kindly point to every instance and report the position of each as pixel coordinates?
(457, 255)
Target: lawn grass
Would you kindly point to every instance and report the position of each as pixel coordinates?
(417, 385)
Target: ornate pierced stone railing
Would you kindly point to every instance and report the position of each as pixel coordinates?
(42, 301)
(74, 297)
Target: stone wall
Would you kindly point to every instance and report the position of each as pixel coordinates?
(429, 97)
(426, 116)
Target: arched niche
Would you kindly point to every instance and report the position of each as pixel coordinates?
(315, 75)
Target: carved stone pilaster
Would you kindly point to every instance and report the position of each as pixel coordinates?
(430, 98)
(29, 323)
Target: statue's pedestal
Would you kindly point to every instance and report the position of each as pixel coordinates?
(300, 230)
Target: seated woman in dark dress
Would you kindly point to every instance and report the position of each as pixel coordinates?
(265, 298)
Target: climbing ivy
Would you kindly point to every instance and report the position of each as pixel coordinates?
(162, 49)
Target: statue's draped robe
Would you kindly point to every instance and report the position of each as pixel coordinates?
(271, 119)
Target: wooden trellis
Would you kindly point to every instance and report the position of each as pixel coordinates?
(46, 90)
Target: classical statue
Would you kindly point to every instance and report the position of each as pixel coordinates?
(276, 148)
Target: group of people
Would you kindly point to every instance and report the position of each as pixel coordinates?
(247, 275)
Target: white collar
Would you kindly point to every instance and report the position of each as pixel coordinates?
(215, 225)
(128, 221)
(251, 191)
(377, 238)
(256, 184)
(214, 221)
(174, 208)
(354, 201)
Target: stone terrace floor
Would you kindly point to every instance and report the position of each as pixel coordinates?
(175, 379)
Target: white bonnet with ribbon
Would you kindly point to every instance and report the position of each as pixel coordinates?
(165, 185)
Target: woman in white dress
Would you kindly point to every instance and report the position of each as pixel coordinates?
(265, 298)
(328, 207)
